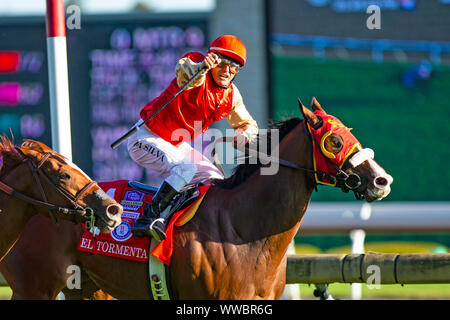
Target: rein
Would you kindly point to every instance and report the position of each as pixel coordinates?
(349, 181)
(77, 210)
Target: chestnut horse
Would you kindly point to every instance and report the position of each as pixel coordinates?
(35, 179)
(233, 248)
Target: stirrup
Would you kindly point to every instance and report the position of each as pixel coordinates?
(157, 229)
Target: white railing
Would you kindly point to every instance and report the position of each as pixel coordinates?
(376, 217)
(359, 218)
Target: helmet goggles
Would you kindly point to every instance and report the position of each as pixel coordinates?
(234, 66)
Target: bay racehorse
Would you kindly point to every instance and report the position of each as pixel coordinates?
(35, 179)
(235, 245)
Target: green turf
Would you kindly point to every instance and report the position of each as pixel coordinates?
(391, 291)
(343, 291)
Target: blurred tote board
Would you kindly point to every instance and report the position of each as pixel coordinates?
(116, 65)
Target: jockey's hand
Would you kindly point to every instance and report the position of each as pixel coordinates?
(211, 60)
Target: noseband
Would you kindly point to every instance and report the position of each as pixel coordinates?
(76, 210)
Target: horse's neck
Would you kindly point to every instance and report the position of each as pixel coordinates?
(14, 213)
(13, 219)
(272, 206)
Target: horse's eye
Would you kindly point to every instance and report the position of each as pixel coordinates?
(334, 143)
(64, 176)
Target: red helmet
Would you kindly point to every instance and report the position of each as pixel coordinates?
(230, 46)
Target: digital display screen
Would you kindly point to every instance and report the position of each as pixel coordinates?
(22, 87)
(116, 66)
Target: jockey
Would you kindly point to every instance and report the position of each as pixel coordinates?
(163, 144)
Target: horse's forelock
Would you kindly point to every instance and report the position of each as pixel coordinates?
(6, 146)
(8, 153)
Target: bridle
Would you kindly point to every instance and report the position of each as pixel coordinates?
(346, 181)
(76, 211)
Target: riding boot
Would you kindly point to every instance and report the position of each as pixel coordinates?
(151, 224)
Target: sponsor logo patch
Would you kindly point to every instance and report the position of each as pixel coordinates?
(123, 231)
(132, 200)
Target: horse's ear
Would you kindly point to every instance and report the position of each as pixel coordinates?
(315, 105)
(312, 119)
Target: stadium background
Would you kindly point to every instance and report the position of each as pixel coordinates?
(391, 85)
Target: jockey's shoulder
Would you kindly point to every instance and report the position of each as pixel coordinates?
(194, 56)
(237, 93)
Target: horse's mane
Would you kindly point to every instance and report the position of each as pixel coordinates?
(245, 170)
(8, 154)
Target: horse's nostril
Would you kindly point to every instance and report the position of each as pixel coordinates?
(113, 209)
(381, 181)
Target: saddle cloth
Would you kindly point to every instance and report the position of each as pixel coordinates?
(134, 196)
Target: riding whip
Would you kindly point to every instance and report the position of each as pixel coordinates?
(136, 127)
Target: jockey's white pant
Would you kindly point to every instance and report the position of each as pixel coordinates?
(177, 165)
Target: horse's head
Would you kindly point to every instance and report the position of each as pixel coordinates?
(339, 154)
(66, 185)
